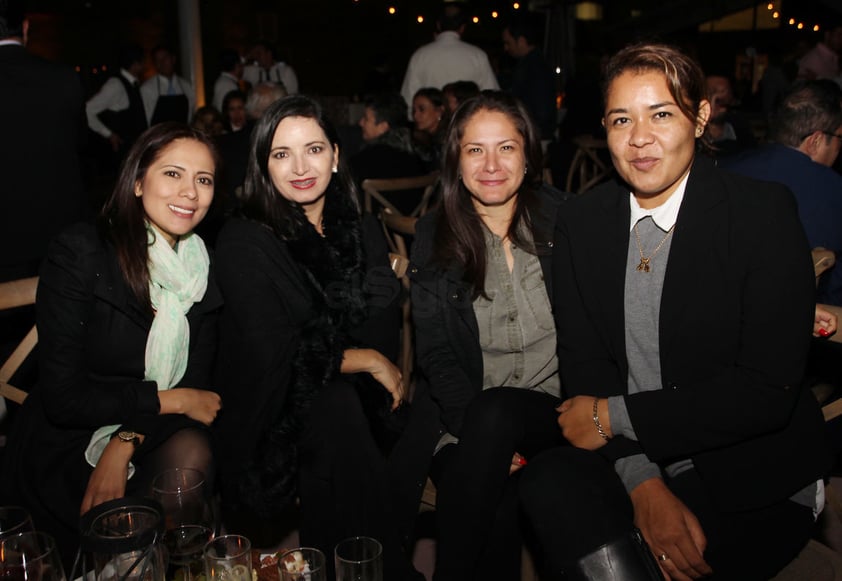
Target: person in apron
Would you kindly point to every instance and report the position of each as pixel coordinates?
(166, 96)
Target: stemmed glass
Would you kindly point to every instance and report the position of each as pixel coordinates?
(14, 520)
(30, 556)
(188, 520)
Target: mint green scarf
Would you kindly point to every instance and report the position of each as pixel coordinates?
(177, 279)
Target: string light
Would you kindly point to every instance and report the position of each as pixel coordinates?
(392, 10)
(420, 19)
(800, 25)
(770, 6)
(475, 19)
(494, 14)
(776, 14)
(816, 28)
(516, 6)
(791, 21)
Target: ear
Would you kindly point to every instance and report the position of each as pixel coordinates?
(138, 191)
(812, 143)
(702, 116)
(603, 122)
(335, 157)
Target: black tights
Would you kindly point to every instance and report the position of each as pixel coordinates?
(186, 448)
(476, 508)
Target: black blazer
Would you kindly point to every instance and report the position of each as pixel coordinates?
(91, 343)
(42, 112)
(735, 326)
(447, 336)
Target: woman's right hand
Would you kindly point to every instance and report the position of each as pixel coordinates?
(108, 479)
(201, 405)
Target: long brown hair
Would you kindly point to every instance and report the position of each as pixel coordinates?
(122, 220)
(459, 231)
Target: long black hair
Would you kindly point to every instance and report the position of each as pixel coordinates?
(459, 231)
(122, 219)
(261, 200)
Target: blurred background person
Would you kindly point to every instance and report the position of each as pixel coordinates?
(456, 93)
(230, 72)
(167, 96)
(266, 67)
(430, 123)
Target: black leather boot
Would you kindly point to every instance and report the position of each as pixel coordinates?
(625, 559)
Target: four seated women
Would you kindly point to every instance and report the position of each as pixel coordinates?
(634, 369)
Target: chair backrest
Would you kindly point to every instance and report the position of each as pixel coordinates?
(14, 294)
(373, 190)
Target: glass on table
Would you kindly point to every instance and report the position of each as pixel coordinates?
(359, 559)
(30, 556)
(228, 558)
(302, 564)
(14, 520)
(188, 520)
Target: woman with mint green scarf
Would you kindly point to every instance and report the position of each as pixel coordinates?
(126, 316)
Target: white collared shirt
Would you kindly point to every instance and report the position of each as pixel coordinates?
(664, 215)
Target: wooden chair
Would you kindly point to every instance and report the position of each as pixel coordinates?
(587, 168)
(373, 190)
(395, 227)
(14, 294)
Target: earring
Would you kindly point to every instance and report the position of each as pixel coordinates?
(335, 170)
(699, 131)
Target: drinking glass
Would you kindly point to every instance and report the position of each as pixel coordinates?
(14, 520)
(30, 556)
(359, 559)
(188, 521)
(228, 558)
(302, 564)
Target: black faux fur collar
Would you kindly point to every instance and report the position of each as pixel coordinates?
(333, 266)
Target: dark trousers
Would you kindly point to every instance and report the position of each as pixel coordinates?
(576, 503)
(476, 501)
(342, 480)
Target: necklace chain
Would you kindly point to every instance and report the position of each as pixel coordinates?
(644, 261)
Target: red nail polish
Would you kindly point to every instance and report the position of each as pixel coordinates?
(824, 332)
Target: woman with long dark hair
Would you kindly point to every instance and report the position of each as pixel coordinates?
(485, 337)
(684, 303)
(309, 335)
(126, 316)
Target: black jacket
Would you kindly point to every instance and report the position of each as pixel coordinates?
(447, 337)
(735, 326)
(91, 344)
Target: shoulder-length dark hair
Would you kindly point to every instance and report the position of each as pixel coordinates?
(122, 220)
(459, 232)
(261, 200)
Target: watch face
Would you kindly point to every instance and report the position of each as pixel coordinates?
(128, 436)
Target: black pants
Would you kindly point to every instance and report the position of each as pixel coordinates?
(478, 536)
(342, 480)
(576, 503)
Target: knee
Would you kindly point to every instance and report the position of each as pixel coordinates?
(561, 479)
(192, 448)
(489, 413)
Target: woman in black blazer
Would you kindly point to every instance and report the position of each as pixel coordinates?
(480, 301)
(98, 298)
(309, 334)
(684, 303)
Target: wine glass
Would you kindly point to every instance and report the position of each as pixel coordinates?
(188, 520)
(30, 556)
(359, 559)
(302, 564)
(14, 520)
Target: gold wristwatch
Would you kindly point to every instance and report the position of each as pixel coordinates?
(129, 436)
